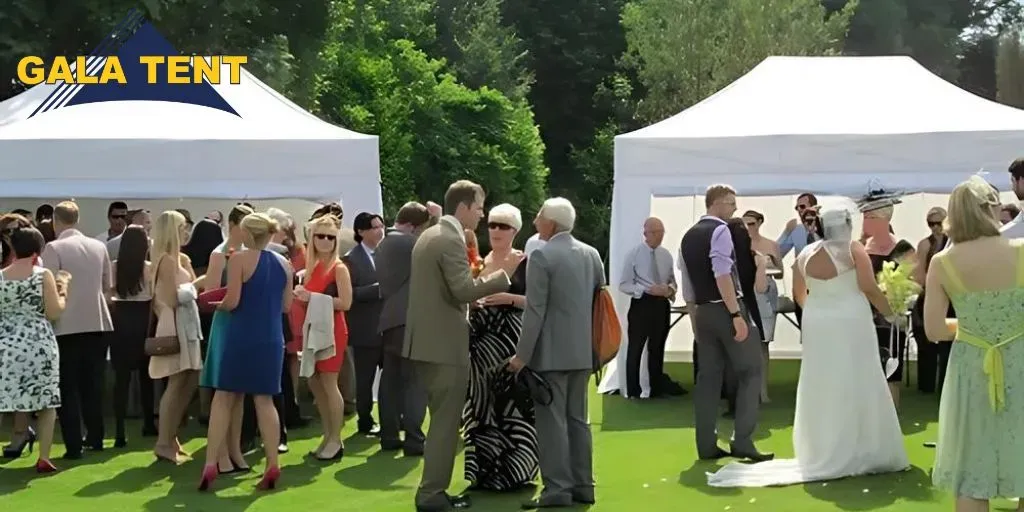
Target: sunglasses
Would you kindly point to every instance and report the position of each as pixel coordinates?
(801, 207)
(934, 224)
(498, 225)
(751, 224)
(330, 238)
(119, 216)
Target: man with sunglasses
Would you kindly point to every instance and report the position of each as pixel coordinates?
(117, 218)
(796, 235)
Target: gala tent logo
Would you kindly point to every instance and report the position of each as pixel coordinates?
(133, 63)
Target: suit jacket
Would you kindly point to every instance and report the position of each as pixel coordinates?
(394, 258)
(363, 316)
(561, 278)
(88, 262)
(440, 287)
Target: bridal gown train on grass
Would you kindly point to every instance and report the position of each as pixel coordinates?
(845, 423)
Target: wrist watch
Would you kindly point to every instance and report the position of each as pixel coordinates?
(734, 314)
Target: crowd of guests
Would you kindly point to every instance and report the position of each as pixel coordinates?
(243, 307)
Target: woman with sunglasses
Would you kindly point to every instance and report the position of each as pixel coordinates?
(498, 421)
(768, 299)
(326, 274)
(931, 357)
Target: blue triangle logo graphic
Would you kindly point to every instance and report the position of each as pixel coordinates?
(142, 39)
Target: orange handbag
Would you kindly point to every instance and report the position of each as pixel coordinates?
(607, 330)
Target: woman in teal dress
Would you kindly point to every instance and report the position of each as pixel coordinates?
(216, 277)
(980, 450)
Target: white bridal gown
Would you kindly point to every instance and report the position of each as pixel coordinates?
(845, 422)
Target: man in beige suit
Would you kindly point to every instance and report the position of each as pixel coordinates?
(81, 337)
(437, 334)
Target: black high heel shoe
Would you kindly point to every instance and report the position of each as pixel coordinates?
(13, 451)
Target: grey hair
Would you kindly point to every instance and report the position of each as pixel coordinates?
(282, 217)
(560, 211)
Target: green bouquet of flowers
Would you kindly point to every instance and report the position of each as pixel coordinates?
(898, 286)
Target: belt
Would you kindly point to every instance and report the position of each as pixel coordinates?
(992, 364)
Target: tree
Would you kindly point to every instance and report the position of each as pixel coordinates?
(480, 49)
(685, 50)
(572, 47)
(1010, 70)
(433, 130)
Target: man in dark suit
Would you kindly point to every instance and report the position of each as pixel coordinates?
(402, 404)
(363, 316)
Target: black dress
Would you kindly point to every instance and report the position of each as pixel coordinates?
(882, 327)
(498, 420)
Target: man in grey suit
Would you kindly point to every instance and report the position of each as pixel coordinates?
(441, 286)
(402, 404)
(362, 317)
(557, 343)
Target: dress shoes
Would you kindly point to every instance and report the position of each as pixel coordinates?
(454, 503)
(753, 455)
(717, 454)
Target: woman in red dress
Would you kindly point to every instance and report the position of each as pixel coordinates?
(326, 274)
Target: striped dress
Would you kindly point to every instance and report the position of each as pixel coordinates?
(498, 420)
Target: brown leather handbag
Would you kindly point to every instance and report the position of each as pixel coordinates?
(607, 332)
(159, 345)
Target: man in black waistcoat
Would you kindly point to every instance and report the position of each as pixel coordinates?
(723, 329)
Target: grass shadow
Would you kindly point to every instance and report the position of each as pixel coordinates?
(695, 478)
(875, 491)
(381, 471)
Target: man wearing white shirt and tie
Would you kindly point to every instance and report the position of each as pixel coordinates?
(364, 316)
(1015, 228)
(649, 279)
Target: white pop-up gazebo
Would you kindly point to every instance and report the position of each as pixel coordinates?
(154, 149)
(828, 125)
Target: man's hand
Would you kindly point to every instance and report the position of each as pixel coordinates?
(434, 209)
(515, 364)
(658, 290)
(739, 324)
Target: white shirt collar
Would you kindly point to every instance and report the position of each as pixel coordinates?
(366, 248)
(453, 222)
(563, 233)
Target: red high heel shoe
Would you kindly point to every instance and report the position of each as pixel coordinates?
(44, 466)
(269, 479)
(210, 472)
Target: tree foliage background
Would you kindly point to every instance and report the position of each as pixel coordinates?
(526, 96)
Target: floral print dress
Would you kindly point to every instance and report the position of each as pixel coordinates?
(29, 362)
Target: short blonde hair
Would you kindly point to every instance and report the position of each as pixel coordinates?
(66, 213)
(166, 235)
(333, 224)
(972, 211)
(506, 214)
(937, 211)
(260, 227)
(715, 193)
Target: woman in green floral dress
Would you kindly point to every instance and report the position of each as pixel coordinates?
(980, 452)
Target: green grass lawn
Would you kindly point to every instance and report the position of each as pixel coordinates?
(644, 460)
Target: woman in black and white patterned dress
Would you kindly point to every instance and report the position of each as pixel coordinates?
(498, 421)
(30, 299)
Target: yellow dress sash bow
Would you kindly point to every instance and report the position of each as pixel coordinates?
(992, 364)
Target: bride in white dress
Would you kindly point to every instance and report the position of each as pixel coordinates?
(845, 422)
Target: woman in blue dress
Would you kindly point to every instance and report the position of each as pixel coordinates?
(252, 348)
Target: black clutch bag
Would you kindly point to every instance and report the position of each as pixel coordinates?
(536, 385)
